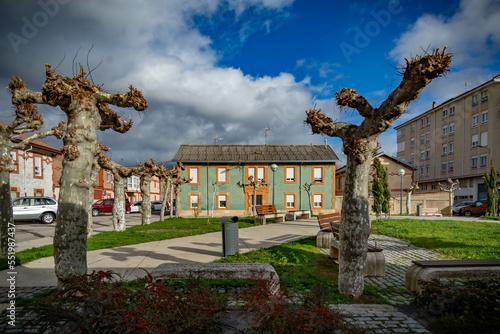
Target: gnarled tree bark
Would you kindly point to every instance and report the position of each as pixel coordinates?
(359, 145)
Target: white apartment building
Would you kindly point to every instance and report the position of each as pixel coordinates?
(456, 139)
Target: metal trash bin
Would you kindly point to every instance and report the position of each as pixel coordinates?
(230, 238)
(419, 209)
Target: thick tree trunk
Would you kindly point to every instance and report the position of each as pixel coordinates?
(177, 196)
(172, 201)
(94, 175)
(146, 199)
(119, 204)
(164, 203)
(355, 226)
(6, 216)
(70, 238)
(452, 200)
(408, 203)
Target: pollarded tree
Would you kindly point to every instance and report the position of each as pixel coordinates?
(28, 119)
(377, 187)
(409, 191)
(148, 170)
(87, 109)
(307, 188)
(450, 190)
(490, 182)
(359, 144)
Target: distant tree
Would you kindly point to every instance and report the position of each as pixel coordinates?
(307, 188)
(172, 175)
(490, 181)
(87, 109)
(149, 169)
(450, 190)
(377, 187)
(28, 119)
(255, 184)
(409, 191)
(177, 185)
(359, 144)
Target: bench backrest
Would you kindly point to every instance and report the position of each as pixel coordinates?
(430, 210)
(265, 209)
(324, 221)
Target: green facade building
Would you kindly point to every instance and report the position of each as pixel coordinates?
(220, 178)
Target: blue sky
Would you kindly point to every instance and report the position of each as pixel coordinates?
(231, 69)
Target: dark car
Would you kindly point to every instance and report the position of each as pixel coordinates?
(106, 205)
(478, 208)
(156, 206)
(43, 209)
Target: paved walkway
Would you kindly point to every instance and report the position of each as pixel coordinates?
(39, 275)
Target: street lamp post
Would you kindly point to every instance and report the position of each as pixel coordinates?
(274, 168)
(401, 172)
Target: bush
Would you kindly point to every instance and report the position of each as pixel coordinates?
(469, 306)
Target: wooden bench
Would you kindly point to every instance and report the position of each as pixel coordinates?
(375, 258)
(325, 235)
(431, 212)
(245, 271)
(427, 270)
(292, 215)
(268, 211)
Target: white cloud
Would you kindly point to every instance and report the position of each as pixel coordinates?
(471, 34)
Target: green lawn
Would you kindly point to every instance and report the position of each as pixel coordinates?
(162, 230)
(458, 239)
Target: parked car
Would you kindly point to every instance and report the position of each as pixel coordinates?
(478, 208)
(156, 206)
(106, 205)
(458, 206)
(135, 206)
(43, 209)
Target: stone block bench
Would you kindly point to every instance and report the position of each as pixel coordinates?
(431, 212)
(325, 234)
(375, 258)
(244, 271)
(427, 270)
(292, 215)
(267, 211)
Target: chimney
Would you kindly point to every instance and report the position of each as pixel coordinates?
(433, 104)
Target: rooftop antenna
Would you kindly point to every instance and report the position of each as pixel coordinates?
(216, 140)
(326, 144)
(265, 138)
(466, 83)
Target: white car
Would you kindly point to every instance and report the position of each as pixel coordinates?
(458, 206)
(43, 209)
(135, 206)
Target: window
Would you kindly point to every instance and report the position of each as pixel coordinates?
(473, 163)
(222, 202)
(421, 171)
(484, 117)
(424, 187)
(401, 146)
(445, 113)
(318, 200)
(39, 193)
(412, 127)
(475, 100)
(412, 142)
(484, 138)
(401, 133)
(445, 149)
(475, 119)
(290, 201)
(452, 111)
(483, 160)
(428, 120)
(427, 137)
(450, 166)
(222, 174)
(38, 167)
(318, 175)
(290, 174)
(475, 141)
(194, 201)
(451, 129)
(194, 175)
(427, 170)
(422, 139)
(422, 155)
(445, 131)
(260, 174)
(452, 147)
(433, 187)
(444, 167)
(484, 96)
(427, 154)
(13, 155)
(251, 173)
(412, 158)
(13, 193)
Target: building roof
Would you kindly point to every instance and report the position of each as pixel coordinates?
(399, 161)
(255, 153)
(38, 144)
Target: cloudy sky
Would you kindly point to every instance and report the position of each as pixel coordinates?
(230, 69)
